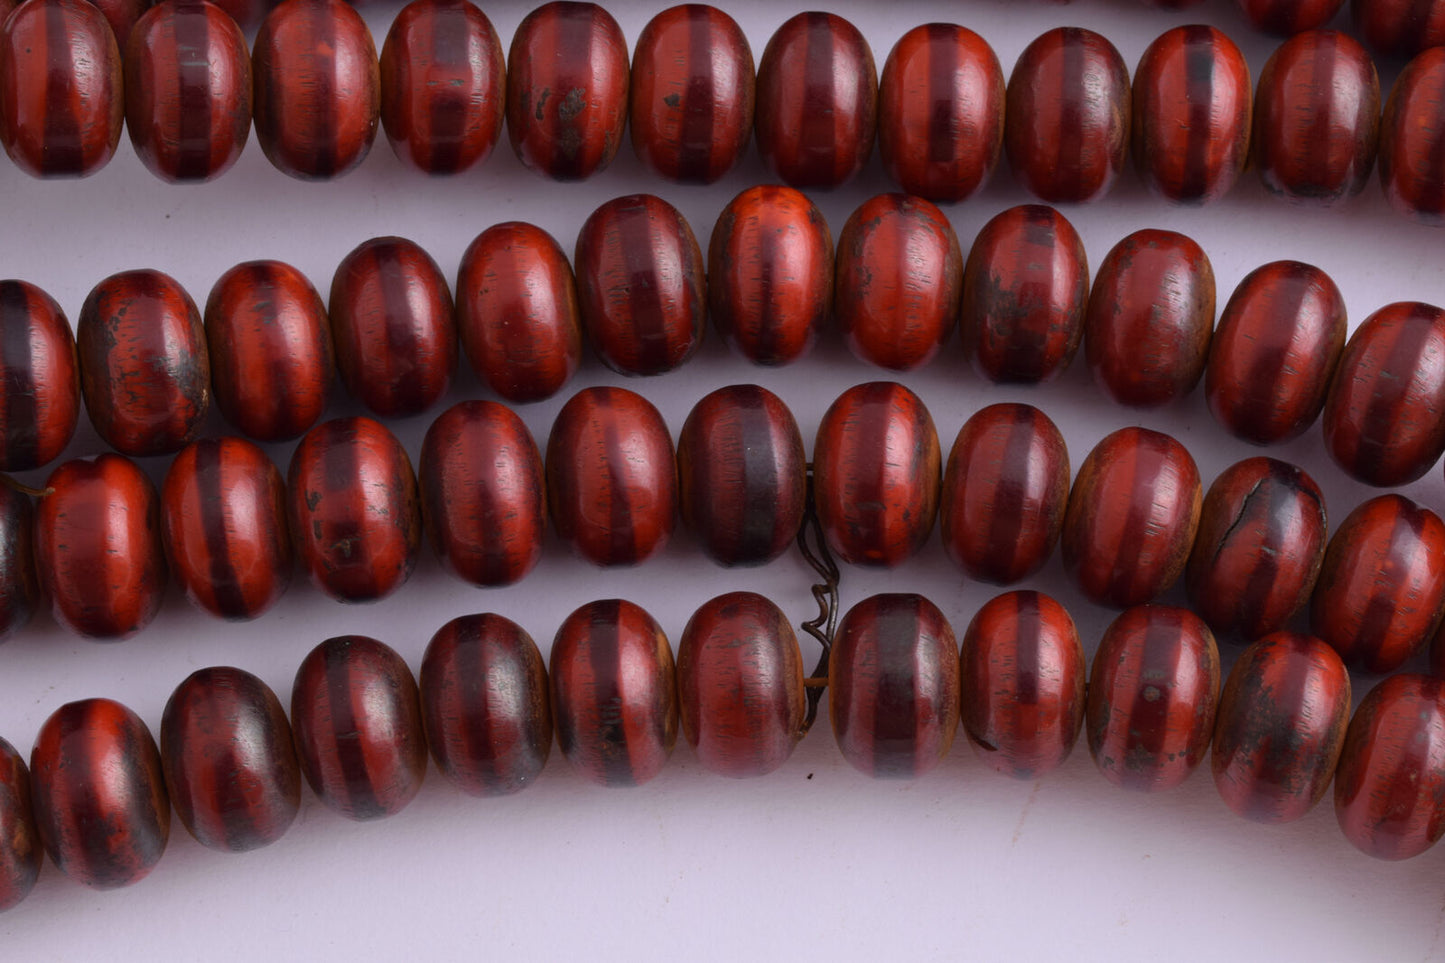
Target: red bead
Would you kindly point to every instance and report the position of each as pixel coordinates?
(611, 477)
(482, 493)
(740, 682)
(248, 14)
(1150, 318)
(770, 274)
(1399, 28)
(517, 312)
(144, 368)
(20, 849)
(485, 706)
(19, 584)
(393, 324)
(817, 101)
(876, 474)
(1285, 17)
(692, 94)
(187, 91)
(100, 798)
(357, 722)
(641, 286)
(229, 761)
(1152, 695)
(122, 15)
(1066, 124)
(614, 693)
(742, 475)
(39, 378)
(316, 88)
(567, 90)
(63, 104)
(1412, 139)
(224, 512)
(353, 509)
(443, 86)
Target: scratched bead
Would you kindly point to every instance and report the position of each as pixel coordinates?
(39, 378)
(1412, 139)
(20, 847)
(1399, 28)
(1287, 17)
(19, 582)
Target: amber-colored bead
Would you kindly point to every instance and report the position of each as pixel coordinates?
(229, 761)
(99, 794)
(20, 848)
(19, 583)
(1412, 139)
(443, 86)
(614, 693)
(770, 274)
(817, 101)
(1399, 28)
(876, 478)
(740, 683)
(39, 378)
(1286, 17)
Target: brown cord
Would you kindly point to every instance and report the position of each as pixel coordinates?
(825, 593)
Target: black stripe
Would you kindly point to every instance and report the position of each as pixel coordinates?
(604, 659)
(21, 435)
(64, 144)
(324, 80)
(211, 489)
(761, 481)
(343, 687)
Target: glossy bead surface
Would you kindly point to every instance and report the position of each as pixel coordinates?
(1412, 140)
(122, 15)
(19, 582)
(39, 378)
(1286, 17)
(20, 848)
(1399, 28)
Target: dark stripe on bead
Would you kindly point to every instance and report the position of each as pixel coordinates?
(942, 52)
(324, 44)
(604, 658)
(450, 30)
(64, 149)
(1408, 529)
(1158, 659)
(1027, 666)
(397, 315)
(340, 470)
(230, 601)
(1013, 474)
(1270, 360)
(896, 723)
(1383, 414)
(192, 40)
(635, 238)
(1199, 96)
(769, 255)
(343, 729)
(19, 392)
(695, 144)
(1074, 42)
(819, 135)
(760, 467)
(574, 34)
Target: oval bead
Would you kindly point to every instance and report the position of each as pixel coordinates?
(248, 14)
(1399, 28)
(19, 581)
(39, 378)
(1412, 140)
(1286, 17)
(20, 847)
(122, 15)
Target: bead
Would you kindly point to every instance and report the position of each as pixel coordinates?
(1274, 352)
(63, 107)
(611, 477)
(482, 493)
(1066, 122)
(270, 349)
(20, 849)
(187, 91)
(1390, 783)
(98, 547)
(817, 101)
(876, 474)
(443, 86)
(1286, 17)
(1258, 549)
(229, 761)
(770, 274)
(517, 312)
(940, 112)
(1399, 28)
(144, 369)
(742, 475)
(1025, 285)
(393, 325)
(1384, 417)
(567, 90)
(1152, 695)
(614, 693)
(1150, 318)
(316, 88)
(1412, 139)
(1022, 670)
(740, 683)
(122, 16)
(893, 686)
(100, 798)
(224, 516)
(640, 284)
(19, 585)
(1004, 493)
(691, 94)
(1381, 589)
(248, 14)
(39, 378)
(356, 717)
(353, 509)
(1280, 726)
(1131, 518)
(484, 704)
(897, 281)
(1317, 118)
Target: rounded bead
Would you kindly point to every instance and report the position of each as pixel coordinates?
(1286, 17)
(19, 581)
(122, 15)
(20, 848)
(39, 378)
(248, 14)
(1412, 140)
(1399, 28)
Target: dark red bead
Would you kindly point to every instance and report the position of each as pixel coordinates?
(817, 102)
(1412, 139)
(122, 15)
(354, 511)
(1399, 28)
(517, 312)
(248, 14)
(20, 849)
(226, 535)
(740, 682)
(356, 717)
(1152, 696)
(641, 285)
(692, 94)
(39, 378)
(484, 703)
(144, 368)
(770, 274)
(393, 325)
(443, 86)
(1285, 17)
(482, 493)
(316, 88)
(19, 582)
(614, 693)
(229, 761)
(99, 794)
(742, 475)
(567, 81)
